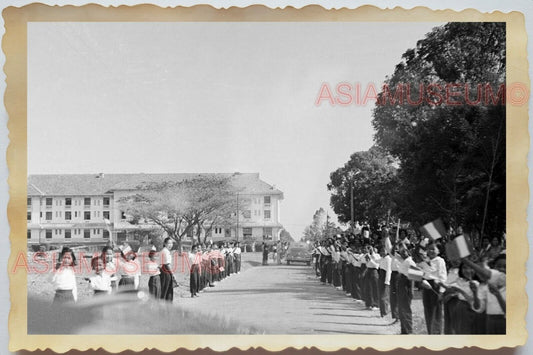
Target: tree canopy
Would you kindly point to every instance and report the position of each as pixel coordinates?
(371, 177)
(185, 207)
(450, 149)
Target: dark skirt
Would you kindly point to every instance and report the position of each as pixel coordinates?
(384, 293)
(126, 282)
(496, 324)
(194, 280)
(63, 296)
(154, 286)
(167, 288)
(405, 295)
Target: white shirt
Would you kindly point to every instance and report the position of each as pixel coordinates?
(405, 265)
(129, 268)
(65, 279)
(101, 282)
(453, 276)
(497, 278)
(336, 256)
(385, 263)
(464, 285)
(373, 261)
(435, 269)
(151, 268)
(357, 260)
(166, 257)
(195, 258)
(489, 302)
(237, 250)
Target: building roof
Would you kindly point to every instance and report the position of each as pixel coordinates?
(99, 184)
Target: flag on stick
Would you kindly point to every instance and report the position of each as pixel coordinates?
(434, 230)
(458, 248)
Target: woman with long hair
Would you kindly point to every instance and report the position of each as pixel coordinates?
(64, 279)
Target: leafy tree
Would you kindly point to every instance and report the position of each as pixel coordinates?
(184, 207)
(315, 230)
(371, 176)
(320, 228)
(451, 153)
(285, 236)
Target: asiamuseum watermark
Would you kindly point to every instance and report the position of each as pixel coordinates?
(433, 94)
(44, 263)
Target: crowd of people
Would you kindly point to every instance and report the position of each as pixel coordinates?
(119, 270)
(382, 270)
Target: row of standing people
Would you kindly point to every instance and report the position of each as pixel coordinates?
(211, 264)
(467, 296)
(207, 266)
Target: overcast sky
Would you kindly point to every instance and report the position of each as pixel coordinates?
(207, 97)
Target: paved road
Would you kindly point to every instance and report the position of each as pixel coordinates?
(283, 299)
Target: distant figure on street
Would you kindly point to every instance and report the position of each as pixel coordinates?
(265, 254)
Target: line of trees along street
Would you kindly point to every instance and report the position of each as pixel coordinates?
(435, 159)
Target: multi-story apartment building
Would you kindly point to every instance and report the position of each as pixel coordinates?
(73, 209)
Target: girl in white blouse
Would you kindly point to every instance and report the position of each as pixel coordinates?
(64, 279)
(167, 287)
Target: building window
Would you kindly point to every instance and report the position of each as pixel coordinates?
(87, 215)
(122, 215)
(87, 201)
(267, 200)
(67, 233)
(48, 201)
(247, 232)
(48, 216)
(68, 202)
(68, 215)
(247, 214)
(28, 234)
(228, 233)
(106, 201)
(29, 201)
(48, 234)
(106, 233)
(86, 233)
(28, 216)
(267, 231)
(106, 214)
(267, 214)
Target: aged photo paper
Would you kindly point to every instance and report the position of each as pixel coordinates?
(194, 177)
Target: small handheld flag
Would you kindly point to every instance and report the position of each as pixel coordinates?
(458, 248)
(434, 230)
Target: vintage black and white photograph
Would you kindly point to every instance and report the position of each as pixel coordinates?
(266, 178)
